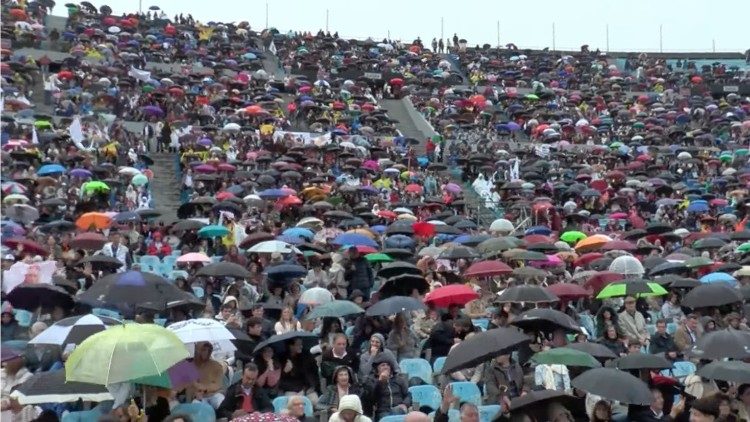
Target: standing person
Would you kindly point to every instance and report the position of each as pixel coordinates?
(687, 334)
(117, 249)
(632, 323)
(441, 46)
(149, 132)
(434, 45)
(165, 138)
(359, 273)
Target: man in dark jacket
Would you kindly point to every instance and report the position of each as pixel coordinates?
(244, 397)
(255, 333)
(662, 342)
(338, 355)
(358, 273)
(444, 334)
(389, 392)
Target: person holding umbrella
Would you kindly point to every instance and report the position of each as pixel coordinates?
(503, 380)
(359, 272)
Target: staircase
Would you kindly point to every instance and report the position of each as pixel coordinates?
(411, 124)
(165, 187)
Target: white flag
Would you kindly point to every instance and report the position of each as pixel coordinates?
(542, 150)
(272, 47)
(76, 133)
(141, 75)
(34, 137)
(515, 170)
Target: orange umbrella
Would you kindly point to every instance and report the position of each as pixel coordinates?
(592, 242)
(97, 220)
(254, 109)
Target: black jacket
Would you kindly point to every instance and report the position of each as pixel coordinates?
(303, 376)
(662, 344)
(442, 338)
(329, 363)
(386, 395)
(233, 401)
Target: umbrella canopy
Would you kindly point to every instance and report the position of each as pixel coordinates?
(596, 350)
(487, 269)
(526, 293)
(201, 329)
(566, 356)
(316, 296)
(335, 309)
(729, 343)
(454, 294)
(130, 351)
(131, 288)
(278, 342)
(545, 320)
(568, 291)
(224, 269)
(394, 305)
(537, 399)
(613, 384)
(74, 330)
(51, 387)
(730, 371)
(635, 361)
(631, 288)
(707, 295)
(397, 268)
(483, 347)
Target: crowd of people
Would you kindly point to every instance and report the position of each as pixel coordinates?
(343, 272)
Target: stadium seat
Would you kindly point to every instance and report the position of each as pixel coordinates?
(671, 328)
(437, 366)
(651, 329)
(106, 313)
(160, 321)
(92, 415)
(453, 415)
(198, 292)
(467, 392)
(23, 317)
(417, 368)
(165, 269)
(425, 395)
(15, 344)
(488, 412)
(169, 259)
(150, 260)
(482, 323)
(197, 411)
(393, 418)
(175, 274)
(280, 403)
(216, 259)
(680, 370)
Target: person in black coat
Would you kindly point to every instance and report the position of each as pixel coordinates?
(663, 342)
(443, 335)
(243, 397)
(389, 391)
(245, 351)
(299, 371)
(338, 355)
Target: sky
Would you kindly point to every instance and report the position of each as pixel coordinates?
(632, 25)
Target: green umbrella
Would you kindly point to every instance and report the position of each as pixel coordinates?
(213, 231)
(43, 124)
(741, 152)
(139, 180)
(745, 247)
(124, 353)
(631, 288)
(698, 261)
(378, 257)
(531, 97)
(147, 88)
(566, 356)
(573, 237)
(335, 309)
(616, 144)
(95, 186)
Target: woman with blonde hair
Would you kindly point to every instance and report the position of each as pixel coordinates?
(287, 322)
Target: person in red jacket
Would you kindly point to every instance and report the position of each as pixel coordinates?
(158, 247)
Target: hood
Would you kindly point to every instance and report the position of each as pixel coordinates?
(347, 369)
(350, 402)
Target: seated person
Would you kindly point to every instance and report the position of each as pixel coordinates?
(208, 387)
(389, 392)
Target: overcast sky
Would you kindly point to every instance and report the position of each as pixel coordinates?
(687, 25)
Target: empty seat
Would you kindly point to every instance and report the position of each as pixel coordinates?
(671, 328)
(437, 366)
(417, 368)
(393, 418)
(488, 412)
(197, 411)
(467, 392)
(150, 260)
(425, 395)
(482, 323)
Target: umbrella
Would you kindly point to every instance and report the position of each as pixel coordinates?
(613, 384)
(33, 296)
(454, 294)
(404, 285)
(199, 330)
(51, 387)
(483, 347)
(545, 320)
(596, 350)
(74, 330)
(566, 356)
(458, 252)
(487, 269)
(278, 342)
(125, 353)
(636, 361)
(394, 305)
(89, 241)
(627, 265)
(193, 257)
(526, 293)
(27, 245)
(354, 239)
(707, 295)
(285, 271)
(102, 262)
(335, 309)
(397, 268)
(537, 399)
(176, 377)
(22, 213)
(568, 291)
(96, 220)
(729, 343)
(573, 236)
(378, 257)
(213, 231)
(731, 371)
(316, 296)
(718, 278)
(271, 246)
(224, 269)
(131, 288)
(593, 242)
(631, 288)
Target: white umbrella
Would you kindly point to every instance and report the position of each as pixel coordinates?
(627, 265)
(310, 222)
(316, 296)
(130, 171)
(22, 213)
(231, 127)
(114, 30)
(201, 330)
(74, 330)
(502, 225)
(271, 246)
(432, 251)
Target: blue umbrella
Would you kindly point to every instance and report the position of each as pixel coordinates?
(697, 207)
(273, 194)
(718, 278)
(354, 239)
(293, 240)
(127, 217)
(299, 232)
(379, 229)
(50, 169)
(283, 271)
(399, 241)
(543, 230)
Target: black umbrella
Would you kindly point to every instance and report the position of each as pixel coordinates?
(715, 294)
(731, 371)
(393, 269)
(526, 293)
(224, 269)
(278, 342)
(404, 285)
(102, 262)
(131, 288)
(51, 387)
(146, 159)
(659, 228)
(394, 305)
(458, 252)
(535, 400)
(677, 282)
(668, 268)
(398, 253)
(635, 361)
(184, 225)
(613, 384)
(483, 347)
(546, 320)
(729, 343)
(596, 350)
(32, 296)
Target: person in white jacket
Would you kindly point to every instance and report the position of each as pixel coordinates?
(349, 410)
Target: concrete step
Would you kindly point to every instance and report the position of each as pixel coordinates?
(410, 123)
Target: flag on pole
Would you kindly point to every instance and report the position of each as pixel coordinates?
(542, 150)
(515, 170)
(272, 47)
(34, 137)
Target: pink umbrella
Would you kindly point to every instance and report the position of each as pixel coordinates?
(205, 168)
(193, 257)
(552, 261)
(618, 216)
(370, 164)
(453, 188)
(226, 167)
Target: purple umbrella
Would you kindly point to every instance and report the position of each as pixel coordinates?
(513, 126)
(453, 188)
(80, 173)
(205, 142)
(153, 110)
(205, 168)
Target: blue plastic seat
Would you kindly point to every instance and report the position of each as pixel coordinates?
(488, 412)
(198, 292)
(160, 321)
(671, 328)
(437, 366)
(197, 411)
(175, 274)
(418, 368)
(106, 313)
(216, 259)
(482, 323)
(15, 344)
(169, 259)
(165, 269)
(467, 392)
(92, 415)
(651, 329)
(425, 395)
(23, 317)
(680, 370)
(151, 260)
(393, 418)
(280, 403)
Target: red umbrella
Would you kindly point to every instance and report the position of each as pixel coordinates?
(224, 195)
(487, 269)
(386, 214)
(89, 241)
(65, 74)
(586, 259)
(536, 238)
(396, 81)
(423, 229)
(28, 245)
(454, 294)
(413, 188)
(597, 282)
(289, 201)
(619, 245)
(364, 250)
(568, 291)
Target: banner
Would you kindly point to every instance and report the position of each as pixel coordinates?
(141, 75)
